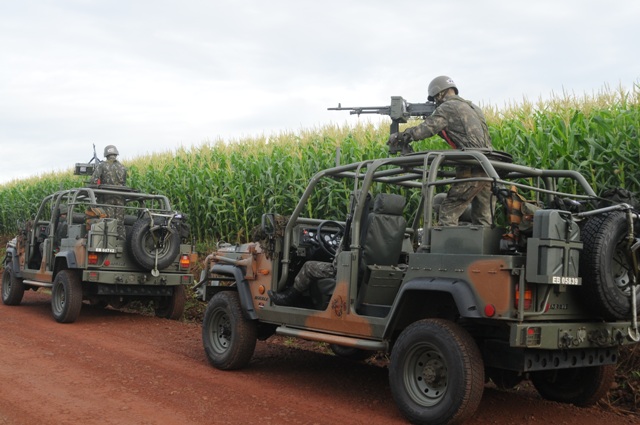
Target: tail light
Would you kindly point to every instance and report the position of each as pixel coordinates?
(185, 262)
(92, 258)
(528, 297)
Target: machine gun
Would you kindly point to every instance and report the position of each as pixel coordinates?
(400, 111)
(86, 168)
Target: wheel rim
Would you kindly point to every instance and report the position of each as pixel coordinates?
(620, 268)
(150, 244)
(59, 297)
(220, 332)
(426, 375)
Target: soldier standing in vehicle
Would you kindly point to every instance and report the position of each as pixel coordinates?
(463, 126)
(112, 172)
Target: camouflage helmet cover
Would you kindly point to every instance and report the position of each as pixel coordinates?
(438, 84)
(110, 150)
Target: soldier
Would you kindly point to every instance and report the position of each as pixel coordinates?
(310, 271)
(462, 125)
(112, 172)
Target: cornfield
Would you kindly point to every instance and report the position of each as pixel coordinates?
(225, 187)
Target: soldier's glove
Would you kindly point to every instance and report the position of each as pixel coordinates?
(399, 142)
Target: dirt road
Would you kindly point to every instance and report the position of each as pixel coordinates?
(113, 367)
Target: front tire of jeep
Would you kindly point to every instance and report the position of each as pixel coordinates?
(228, 337)
(171, 307)
(143, 246)
(436, 373)
(606, 266)
(66, 296)
(582, 386)
(12, 287)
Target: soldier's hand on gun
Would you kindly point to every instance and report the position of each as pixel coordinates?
(399, 142)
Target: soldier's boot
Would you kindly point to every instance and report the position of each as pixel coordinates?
(287, 297)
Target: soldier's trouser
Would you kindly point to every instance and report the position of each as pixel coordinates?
(312, 270)
(478, 194)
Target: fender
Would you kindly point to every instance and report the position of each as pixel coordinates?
(70, 258)
(459, 289)
(242, 285)
(15, 263)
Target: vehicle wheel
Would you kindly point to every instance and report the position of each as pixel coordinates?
(605, 265)
(355, 354)
(228, 337)
(172, 307)
(12, 287)
(436, 373)
(582, 386)
(66, 296)
(143, 244)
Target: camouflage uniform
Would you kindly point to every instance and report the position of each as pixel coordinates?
(313, 271)
(462, 125)
(112, 172)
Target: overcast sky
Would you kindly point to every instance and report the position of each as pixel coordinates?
(155, 75)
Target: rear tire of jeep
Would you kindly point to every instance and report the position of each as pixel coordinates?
(12, 287)
(355, 354)
(606, 267)
(582, 386)
(66, 296)
(436, 373)
(228, 337)
(171, 307)
(142, 247)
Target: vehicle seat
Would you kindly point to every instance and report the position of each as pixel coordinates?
(382, 240)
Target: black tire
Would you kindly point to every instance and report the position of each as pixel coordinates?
(143, 247)
(355, 354)
(228, 337)
(582, 386)
(172, 307)
(606, 266)
(66, 296)
(436, 373)
(12, 287)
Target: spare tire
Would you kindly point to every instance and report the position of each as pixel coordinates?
(605, 266)
(143, 245)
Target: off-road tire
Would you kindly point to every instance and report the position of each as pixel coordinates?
(582, 386)
(436, 373)
(141, 246)
(12, 286)
(355, 354)
(66, 296)
(228, 337)
(605, 267)
(171, 307)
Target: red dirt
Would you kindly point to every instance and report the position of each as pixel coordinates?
(112, 367)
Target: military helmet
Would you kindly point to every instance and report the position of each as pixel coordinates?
(110, 150)
(438, 84)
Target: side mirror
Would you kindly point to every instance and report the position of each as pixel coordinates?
(268, 225)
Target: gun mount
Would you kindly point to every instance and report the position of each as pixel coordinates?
(399, 111)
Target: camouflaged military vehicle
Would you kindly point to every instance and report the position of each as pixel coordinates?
(547, 293)
(72, 247)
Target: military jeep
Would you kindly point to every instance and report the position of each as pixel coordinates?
(82, 248)
(546, 293)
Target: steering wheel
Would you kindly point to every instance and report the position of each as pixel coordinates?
(329, 240)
